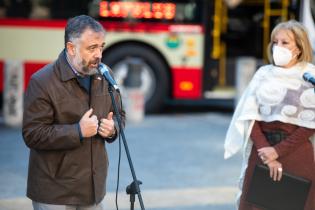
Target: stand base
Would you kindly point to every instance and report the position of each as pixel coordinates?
(132, 191)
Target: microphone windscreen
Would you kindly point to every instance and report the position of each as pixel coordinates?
(307, 76)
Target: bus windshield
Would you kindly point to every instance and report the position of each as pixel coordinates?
(166, 11)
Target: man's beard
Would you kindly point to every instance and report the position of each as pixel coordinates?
(86, 71)
(83, 66)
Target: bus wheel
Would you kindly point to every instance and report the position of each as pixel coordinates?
(154, 80)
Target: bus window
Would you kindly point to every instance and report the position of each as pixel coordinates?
(43, 9)
(167, 11)
(63, 9)
(16, 8)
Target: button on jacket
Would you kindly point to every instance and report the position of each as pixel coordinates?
(62, 169)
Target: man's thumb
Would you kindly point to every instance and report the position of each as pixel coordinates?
(110, 116)
(88, 113)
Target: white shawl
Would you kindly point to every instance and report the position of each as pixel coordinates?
(274, 94)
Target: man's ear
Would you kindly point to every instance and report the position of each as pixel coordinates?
(70, 48)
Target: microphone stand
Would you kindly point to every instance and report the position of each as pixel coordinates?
(133, 188)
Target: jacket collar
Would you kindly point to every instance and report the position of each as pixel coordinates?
(64, 67)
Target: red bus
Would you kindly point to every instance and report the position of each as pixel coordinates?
(187, 49)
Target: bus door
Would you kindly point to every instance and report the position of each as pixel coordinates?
(234, 32)
(214, 75)
(307, 11)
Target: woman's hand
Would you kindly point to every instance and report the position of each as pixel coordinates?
(267, 154)
(275, 168)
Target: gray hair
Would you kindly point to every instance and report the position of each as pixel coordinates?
(77, 25)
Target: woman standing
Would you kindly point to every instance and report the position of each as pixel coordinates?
(274, 121)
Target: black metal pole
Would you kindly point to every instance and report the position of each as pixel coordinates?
(121, 132)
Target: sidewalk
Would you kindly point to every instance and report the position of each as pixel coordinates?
(189, 198)
(179, 159)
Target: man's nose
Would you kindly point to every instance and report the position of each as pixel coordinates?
(98, 53)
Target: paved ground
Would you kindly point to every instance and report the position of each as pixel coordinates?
(178, 157)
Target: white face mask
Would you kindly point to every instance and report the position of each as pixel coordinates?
(281, 56)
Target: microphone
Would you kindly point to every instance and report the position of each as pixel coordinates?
(103, 70)
(308, 77)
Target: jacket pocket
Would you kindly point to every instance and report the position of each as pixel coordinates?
(70, 110)
(66, 168)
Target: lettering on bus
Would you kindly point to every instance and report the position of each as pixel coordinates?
(137, 10)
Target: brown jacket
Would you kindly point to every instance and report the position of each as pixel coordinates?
(63, 169)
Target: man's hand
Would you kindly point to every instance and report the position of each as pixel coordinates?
(107, 126)
(88, 124)
(267, 154)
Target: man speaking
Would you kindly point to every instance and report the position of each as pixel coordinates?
(68, 118)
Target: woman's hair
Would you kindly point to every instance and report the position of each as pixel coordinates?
(301, 39)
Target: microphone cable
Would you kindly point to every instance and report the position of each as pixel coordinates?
(119, 157)
(118, 172)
